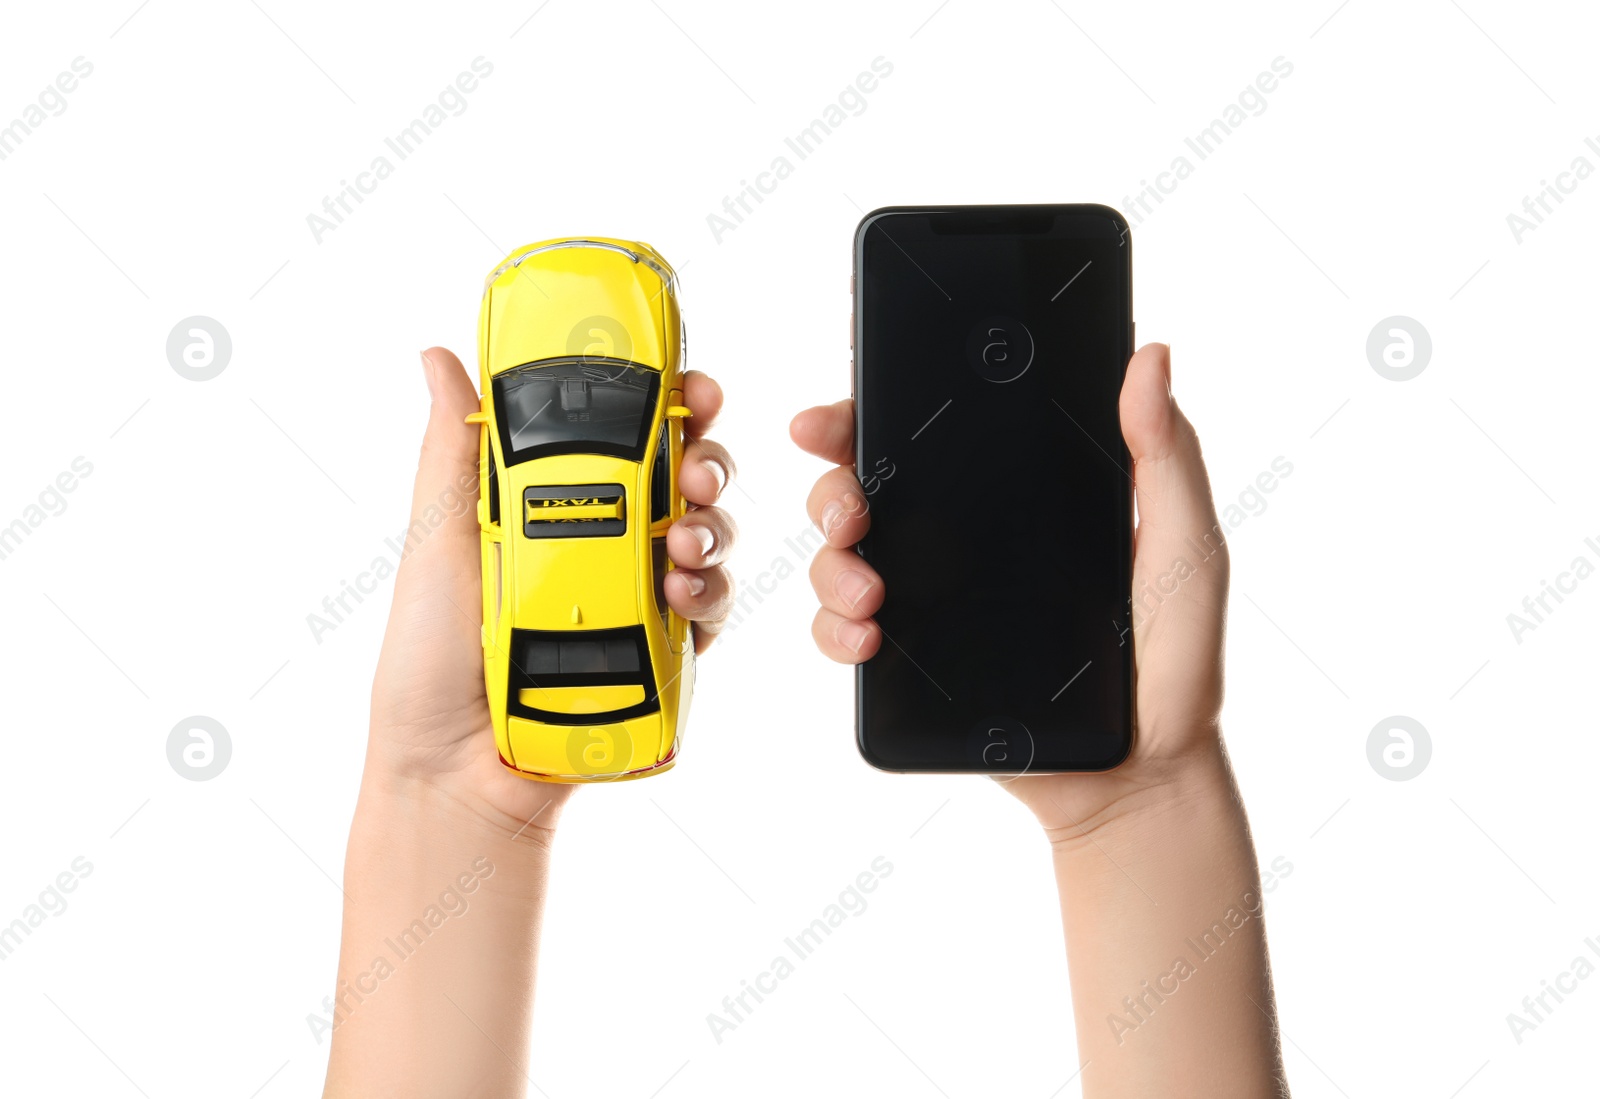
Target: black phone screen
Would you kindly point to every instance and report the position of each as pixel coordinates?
(991, 344)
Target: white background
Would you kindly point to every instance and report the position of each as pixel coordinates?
(1376, 582)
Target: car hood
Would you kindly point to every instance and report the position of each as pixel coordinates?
(561, 299)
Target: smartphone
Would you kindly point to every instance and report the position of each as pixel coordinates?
(990, 347)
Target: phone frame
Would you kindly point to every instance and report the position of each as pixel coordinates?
(999, 214)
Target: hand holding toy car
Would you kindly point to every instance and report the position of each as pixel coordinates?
(430, 716)
(437, 807)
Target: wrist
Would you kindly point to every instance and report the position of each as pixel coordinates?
(438, 820)
(1152, 806)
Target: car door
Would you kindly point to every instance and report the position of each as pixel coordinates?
(666, 507)
(493, 540)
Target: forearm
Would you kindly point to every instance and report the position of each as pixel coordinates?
(439, 948)
(1167, 949)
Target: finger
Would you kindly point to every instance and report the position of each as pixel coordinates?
(702, 538)
(845, 640)
(706, 470)
(704, 398)
(702, 596)
(705, 597)
(845, 584)
(828, 431)
(839, 507)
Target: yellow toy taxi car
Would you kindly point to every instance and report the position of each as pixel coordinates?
(580, 350)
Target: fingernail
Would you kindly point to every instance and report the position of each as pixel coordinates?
(696, 582)
(835, 512)
(719, 473)
(851, 587)
(853, 635)
(427, 374)
(705, 537)
(832, 516)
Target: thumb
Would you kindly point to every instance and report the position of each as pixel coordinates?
(441, 540)
(432, 659)
(1170, 482)
(445, 496)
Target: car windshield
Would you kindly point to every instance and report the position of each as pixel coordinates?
(593, 406)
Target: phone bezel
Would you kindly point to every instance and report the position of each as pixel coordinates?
(995, 214)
